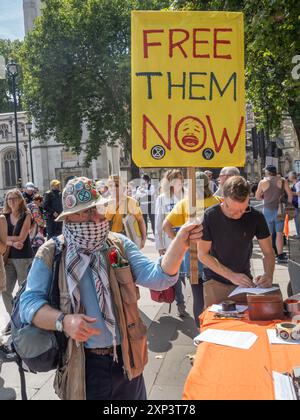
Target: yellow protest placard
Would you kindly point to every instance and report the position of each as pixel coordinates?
(188, 94)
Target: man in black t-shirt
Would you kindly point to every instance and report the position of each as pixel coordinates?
(227, 243)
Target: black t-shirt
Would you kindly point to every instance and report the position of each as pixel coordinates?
(26, 251)
(232, 240)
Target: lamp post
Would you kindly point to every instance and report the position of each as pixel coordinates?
(12, 70)
(26, 155)
(28, 126)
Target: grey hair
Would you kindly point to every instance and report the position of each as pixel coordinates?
(230, 170)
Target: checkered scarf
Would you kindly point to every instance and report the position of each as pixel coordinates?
(84, 244)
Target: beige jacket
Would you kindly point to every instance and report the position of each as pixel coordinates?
(69, 381)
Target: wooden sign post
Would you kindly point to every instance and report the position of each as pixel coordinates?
(193, 215)
(188, 93)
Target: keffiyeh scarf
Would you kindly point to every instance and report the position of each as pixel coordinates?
(84, 244)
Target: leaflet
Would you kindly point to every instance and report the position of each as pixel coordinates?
(237, 339)
(253, 290)
(283, 387)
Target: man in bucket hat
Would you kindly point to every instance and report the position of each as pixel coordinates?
(99, 271)
(29, 192)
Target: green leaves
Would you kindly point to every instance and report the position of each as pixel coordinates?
(9, 50)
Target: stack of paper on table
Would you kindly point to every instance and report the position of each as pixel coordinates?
(237, 339)
(283, 387)
(218, 309)
(253, 290)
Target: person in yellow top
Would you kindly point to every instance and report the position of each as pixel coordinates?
(120, 205)
(180, 215)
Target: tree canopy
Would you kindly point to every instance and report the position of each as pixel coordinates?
(10, 51)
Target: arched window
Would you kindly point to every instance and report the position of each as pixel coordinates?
(10, 169)
(4, 131)
(21, 128)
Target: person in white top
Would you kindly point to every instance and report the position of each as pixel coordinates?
(225, 174)
(172, 191)
(145, 195)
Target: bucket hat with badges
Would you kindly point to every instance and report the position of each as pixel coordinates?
(78, 195)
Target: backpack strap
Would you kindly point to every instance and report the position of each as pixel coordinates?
(22, 380)
(54, 295)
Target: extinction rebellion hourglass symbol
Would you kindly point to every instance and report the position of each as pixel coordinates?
(158, 152)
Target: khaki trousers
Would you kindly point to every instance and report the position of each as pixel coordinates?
(215, 292)
(16, 269)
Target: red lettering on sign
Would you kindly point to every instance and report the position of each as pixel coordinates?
(173, 45)
(197, 41)
(225, 136)
(150, 44)
(221, 41)
(167, 142)
(190, 134)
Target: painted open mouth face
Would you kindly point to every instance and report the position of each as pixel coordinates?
(190, 140)
(190, 134)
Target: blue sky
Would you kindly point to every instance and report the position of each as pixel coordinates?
(11, 19)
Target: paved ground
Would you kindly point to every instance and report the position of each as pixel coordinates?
(170, 342)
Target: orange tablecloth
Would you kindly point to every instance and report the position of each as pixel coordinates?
(224, 373)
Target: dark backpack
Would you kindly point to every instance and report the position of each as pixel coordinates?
(39, 350)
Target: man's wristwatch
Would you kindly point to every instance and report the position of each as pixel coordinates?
(59, 323)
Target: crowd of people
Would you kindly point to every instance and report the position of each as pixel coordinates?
(87, 220)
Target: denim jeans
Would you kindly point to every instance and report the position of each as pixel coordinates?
(274, 224)
(179, 298)
(105, 380)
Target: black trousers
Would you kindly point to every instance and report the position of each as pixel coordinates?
(198, 301)
(152, 220)
(53, 228)
(105, 380)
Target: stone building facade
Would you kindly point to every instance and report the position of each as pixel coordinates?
(50, 159)
(287, 149)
